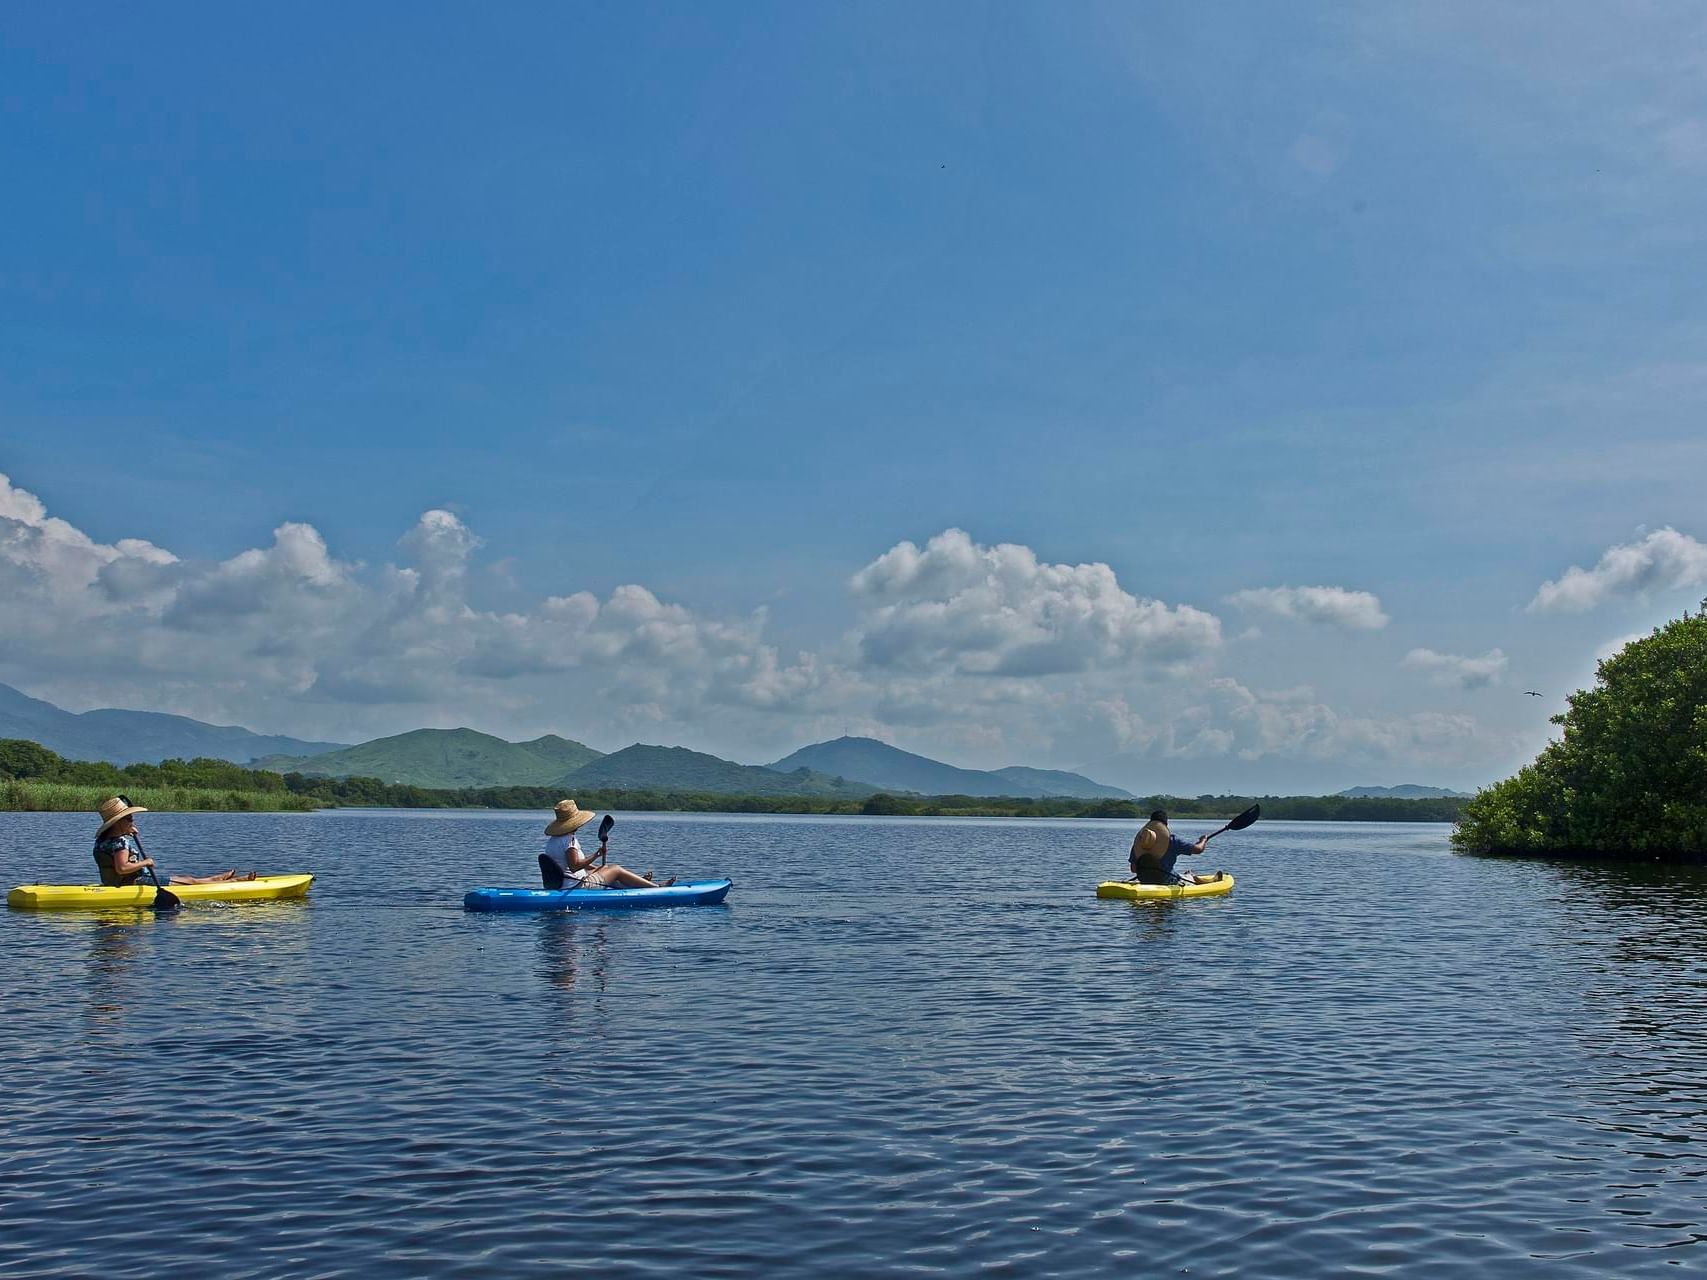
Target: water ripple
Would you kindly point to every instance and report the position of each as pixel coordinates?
(892, 1053)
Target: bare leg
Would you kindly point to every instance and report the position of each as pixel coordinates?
(622, 877)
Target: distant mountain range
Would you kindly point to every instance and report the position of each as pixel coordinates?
(892, 769)
(643, 768)
(136, 737)
(463, 758)
(1404, 791)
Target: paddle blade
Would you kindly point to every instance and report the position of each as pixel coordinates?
(1244, 819)
(164, 899)
(605, 826)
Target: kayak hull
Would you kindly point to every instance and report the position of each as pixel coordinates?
(694, 893)
(1126, 891)
(103, 897)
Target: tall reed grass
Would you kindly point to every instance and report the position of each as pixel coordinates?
(64, 797)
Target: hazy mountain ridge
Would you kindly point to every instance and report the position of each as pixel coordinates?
(893, 769)
(1404, 791)
(460, 758)
(139, 737)
(649, 768)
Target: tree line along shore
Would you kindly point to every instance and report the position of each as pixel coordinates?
(32, 778)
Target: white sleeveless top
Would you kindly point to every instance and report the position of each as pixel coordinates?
(557, 848)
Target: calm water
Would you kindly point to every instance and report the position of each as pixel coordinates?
(903, 1047)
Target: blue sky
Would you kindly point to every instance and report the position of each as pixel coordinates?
(600, 363)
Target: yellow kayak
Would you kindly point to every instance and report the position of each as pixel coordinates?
(1161, 892)
(87, 897)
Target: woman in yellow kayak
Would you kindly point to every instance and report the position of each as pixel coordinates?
(1156, 849)
(564, 866)
(119, 855)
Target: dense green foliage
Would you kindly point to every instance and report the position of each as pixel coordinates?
(1629, 776)
(32, 777)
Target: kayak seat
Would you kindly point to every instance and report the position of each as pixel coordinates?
(550, 874)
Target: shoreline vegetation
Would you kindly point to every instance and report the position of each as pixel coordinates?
(34, 779)
(1627, 777)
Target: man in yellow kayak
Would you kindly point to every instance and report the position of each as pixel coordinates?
(1156, 849)
(119, 855)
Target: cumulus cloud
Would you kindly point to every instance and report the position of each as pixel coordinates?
(980, 654)
(292, 625)
(957, 606)
(1454, 671)
(1664, 560)
(1329, 606)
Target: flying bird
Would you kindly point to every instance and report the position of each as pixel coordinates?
(1530, 693)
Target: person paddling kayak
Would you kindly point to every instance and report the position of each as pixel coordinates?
(564, 866)
(119, 855)
(1156, 849)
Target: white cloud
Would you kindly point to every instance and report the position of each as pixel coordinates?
(290, 637)
(1612, 647)
(1664, 560)
(1330, 606)
(289, 631)
(1452, 670)
(956, 606)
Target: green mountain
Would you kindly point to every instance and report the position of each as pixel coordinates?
(642, 767)
(1404, 791)
(892, 769)
(1057, 782)
(137, 737)
(445, 758)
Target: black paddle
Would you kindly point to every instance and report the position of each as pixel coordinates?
(1239, 823)
(605, 824)
(164, 899)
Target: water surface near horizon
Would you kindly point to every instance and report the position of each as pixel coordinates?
(903, 1047)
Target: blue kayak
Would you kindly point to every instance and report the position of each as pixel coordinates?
(692, 893)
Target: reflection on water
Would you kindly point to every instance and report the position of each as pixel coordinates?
(573, 951)
(111, 971)
(894, 1051)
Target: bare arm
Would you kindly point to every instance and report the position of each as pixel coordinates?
(579, 861)
(125, 864)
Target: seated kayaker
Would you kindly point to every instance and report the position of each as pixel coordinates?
(1156, 849)
(564, 866)
(118, 850)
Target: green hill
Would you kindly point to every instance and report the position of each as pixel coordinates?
(892, 769)
(645, 768)
(445, 759)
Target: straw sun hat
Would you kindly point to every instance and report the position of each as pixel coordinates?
(1153, 836)
(568, 818)
(115, 810)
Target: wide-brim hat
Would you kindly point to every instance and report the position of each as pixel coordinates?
(569, 818)
(1153, 837)
(116, 810)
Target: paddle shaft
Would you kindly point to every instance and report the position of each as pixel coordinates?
(163, 899)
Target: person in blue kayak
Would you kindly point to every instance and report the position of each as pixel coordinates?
(564, 866)
(1156, 849)
(119, 855)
